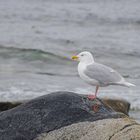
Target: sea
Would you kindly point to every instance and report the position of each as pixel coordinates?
(38, 38)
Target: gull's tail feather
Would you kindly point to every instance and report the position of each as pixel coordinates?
(127, 84)
(124, 83)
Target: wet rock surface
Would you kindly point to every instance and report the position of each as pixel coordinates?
(50, 112)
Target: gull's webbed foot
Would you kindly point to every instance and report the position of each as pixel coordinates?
(91, 97)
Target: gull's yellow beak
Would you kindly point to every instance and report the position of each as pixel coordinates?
(75, 57)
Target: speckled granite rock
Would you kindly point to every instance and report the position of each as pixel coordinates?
(50, 112)
(107, 129)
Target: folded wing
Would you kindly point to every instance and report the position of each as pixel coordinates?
(103, 74)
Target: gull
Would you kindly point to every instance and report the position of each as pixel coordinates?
(97, 74)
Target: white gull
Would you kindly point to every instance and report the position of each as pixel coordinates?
(97, 74)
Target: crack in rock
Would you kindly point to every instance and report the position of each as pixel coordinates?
(126, 126)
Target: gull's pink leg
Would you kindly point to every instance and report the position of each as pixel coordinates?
(92, 97)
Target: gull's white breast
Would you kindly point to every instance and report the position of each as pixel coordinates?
(81, 69)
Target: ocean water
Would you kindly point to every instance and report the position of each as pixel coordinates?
(38, 38)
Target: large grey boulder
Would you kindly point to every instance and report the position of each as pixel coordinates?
(45, 114)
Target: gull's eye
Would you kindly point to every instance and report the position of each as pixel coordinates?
(82, 54)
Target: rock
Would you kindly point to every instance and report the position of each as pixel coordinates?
(107, 129)
(118, 105)
(8, 105)
(50, 112)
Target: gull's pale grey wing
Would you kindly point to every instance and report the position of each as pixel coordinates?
(103, 74)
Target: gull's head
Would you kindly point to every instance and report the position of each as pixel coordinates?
(84, 57)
